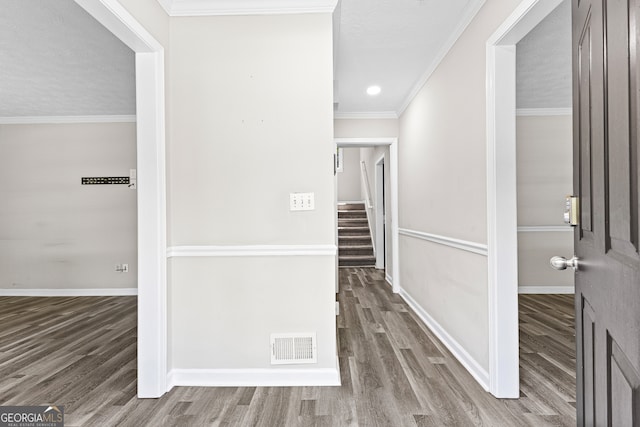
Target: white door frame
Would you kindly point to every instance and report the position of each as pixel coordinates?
(380, 213)
(152, 277)
(502, 238)
(393, 183)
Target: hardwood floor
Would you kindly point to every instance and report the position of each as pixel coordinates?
(81, 353)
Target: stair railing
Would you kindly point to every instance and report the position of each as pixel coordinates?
(365, 182)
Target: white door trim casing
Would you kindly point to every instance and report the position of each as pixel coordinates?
(380, 212)
(393, 182)
(152, 276)
(502, 240)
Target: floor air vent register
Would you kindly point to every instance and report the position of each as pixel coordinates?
(293, 349)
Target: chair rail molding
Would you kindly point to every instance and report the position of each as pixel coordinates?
(465, 245)
(251, 250)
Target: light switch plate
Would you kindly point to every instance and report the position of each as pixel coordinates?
(301, 201)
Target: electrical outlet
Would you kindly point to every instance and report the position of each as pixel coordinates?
(122, 268)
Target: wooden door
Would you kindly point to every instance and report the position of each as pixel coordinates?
(606, 116)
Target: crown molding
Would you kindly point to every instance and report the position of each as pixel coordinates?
(19, 120)
(471, 13)
(245, 7)
(366, 115)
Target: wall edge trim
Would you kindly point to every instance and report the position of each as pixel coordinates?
(480, 374)
(465, 245)
(251, 250)
(253, 377)
(544, 228)
(244, 7)
(92, 292)
(67, 119)
(546, 289)
(463, 23)
(388, 278)
(365, 115)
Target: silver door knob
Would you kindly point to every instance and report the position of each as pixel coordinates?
(561, 263)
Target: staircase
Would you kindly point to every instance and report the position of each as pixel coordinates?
(354, 238)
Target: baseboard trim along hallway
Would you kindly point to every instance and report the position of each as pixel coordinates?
(465, 359)
(546, 289)
(104, 292)
(253, 377)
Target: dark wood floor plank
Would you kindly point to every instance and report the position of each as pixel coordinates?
(81, 353)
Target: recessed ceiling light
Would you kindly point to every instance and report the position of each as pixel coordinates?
(373, 90)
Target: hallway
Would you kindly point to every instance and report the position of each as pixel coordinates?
(394, 371)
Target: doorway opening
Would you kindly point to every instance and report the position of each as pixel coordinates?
(151, 222)
(502, 238)
(389, 244)
(381, 213)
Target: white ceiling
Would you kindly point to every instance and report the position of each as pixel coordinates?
(391, 43)
(58, 61)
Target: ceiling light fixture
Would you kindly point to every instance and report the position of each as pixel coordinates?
(373, 90)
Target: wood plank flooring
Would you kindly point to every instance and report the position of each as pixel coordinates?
(81, 353)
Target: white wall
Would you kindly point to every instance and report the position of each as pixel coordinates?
(544, 171)
(349, 179)
(54, 232)
(251, 120)
(371, 155)
(442, 179)
(365, 128)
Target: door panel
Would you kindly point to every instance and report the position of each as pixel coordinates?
(624, 388)
(606, 118)
(584, 127)
(620, 141)
(588, 352)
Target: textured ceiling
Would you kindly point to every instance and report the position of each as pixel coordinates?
(543, 62)
(58, 61)
(390, 43)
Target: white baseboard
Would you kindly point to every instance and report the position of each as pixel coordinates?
(480, 374)
(253, 377)
(546, 289)
(107, 292)
(389, 279)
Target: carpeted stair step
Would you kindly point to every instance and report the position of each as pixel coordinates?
(353, 222)
(344, 241)
(352, 214)
(355, 250)
(356, 261)
(353, 231)
(351, 206)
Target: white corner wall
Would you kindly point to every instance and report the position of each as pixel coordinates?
(545, 177)
(349, 178)
(56, 235)
(251, 121)
(442, 200)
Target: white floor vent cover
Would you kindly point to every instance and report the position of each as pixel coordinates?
(292, 349)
